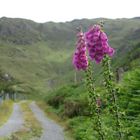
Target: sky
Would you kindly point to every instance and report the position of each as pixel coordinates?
(67, 10)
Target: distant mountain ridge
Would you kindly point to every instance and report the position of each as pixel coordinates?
(22, 31)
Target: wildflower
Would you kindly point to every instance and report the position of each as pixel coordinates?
(80, 59)
(97, 44)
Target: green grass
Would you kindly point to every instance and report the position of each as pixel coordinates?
(6, 109)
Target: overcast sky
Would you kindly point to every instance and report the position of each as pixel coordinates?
(66, 10)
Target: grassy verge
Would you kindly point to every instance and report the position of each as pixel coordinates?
(32, 130)
(74, 128)
(6, 109)
(70, 104)
(52, 115)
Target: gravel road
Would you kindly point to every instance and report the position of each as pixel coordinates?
(51, 131)
(14, 123)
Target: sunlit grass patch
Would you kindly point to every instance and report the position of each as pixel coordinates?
(6, 109)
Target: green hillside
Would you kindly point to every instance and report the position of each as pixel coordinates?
(40, 54)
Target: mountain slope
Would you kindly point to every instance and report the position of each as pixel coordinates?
(40, 54)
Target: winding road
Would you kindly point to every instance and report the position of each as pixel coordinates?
(51, 131)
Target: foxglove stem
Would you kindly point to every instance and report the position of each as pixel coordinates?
(110, 86)
(94, 108)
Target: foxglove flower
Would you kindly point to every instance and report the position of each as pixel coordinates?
(80, 59)
(97, 44)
